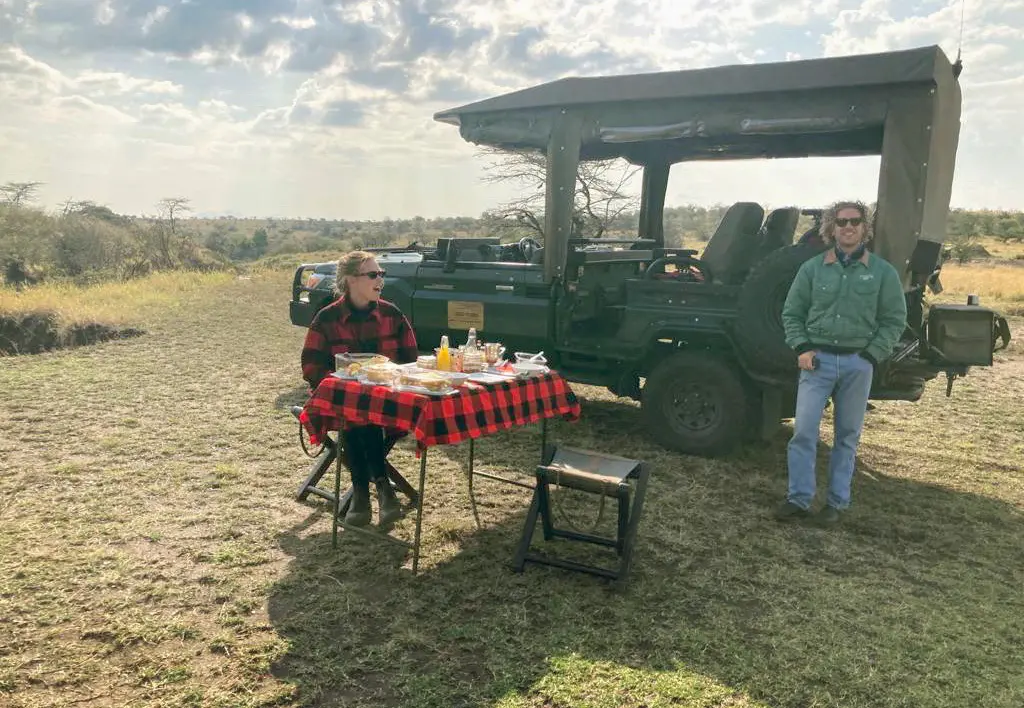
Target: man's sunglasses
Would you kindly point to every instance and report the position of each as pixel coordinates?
(855, 221)
(374, 274)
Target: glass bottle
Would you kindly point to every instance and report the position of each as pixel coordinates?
(444, 355)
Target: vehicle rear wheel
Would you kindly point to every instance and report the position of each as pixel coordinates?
(695, 404)
(759, 330)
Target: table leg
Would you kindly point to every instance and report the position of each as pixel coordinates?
(543, 439)
(337, 495)
(472, 498)
(419, 512)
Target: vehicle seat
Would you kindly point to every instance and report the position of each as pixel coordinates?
(732, 249)
(469, 250)
(779, 229)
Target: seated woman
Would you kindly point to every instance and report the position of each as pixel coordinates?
(359, 321)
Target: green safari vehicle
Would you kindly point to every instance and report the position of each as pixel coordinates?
(697, 338)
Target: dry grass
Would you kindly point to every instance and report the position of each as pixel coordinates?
(153, 553)
(113, 303)
(1002, 283)
(1009, 250)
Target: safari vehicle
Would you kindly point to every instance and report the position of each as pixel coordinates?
(698, 339)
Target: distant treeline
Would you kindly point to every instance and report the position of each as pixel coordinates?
(248, 238)
(84, 241)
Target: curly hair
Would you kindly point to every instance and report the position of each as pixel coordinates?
(828, 220)
(349, 264)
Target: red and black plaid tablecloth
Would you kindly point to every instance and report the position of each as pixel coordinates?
(476, 410)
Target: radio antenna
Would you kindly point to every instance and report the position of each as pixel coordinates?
(958, 65)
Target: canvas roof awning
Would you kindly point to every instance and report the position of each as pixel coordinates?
(830, 106)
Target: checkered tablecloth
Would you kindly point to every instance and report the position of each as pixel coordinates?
(476, 410)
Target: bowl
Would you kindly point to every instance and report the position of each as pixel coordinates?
(527, 356)
(529, 368)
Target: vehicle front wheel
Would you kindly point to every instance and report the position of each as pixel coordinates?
(695, 404)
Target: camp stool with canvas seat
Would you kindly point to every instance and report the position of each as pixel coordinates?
(602, 474)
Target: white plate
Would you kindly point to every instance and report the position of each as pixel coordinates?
(490, 377)
(426, 391)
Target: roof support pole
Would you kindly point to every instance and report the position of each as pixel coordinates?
(922, 131)
(563, 159)
(652, 203)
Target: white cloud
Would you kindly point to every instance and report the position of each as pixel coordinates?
(310, 108)
(25, 77)
(76, 109)
(113, 83)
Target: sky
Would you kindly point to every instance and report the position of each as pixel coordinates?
(324, 108)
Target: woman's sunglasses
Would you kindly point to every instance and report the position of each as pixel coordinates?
(855, 221)
(374, 274)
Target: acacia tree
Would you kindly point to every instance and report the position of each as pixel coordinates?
(19, 193)
(601, 195)
(165, 241)
(171, 208)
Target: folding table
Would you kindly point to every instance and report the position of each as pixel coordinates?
(474, 411)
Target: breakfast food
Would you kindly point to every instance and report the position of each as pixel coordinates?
(433, 382)
(355, 367)
(429, 380)
(383, 373)
(426, 361)
(473, 361)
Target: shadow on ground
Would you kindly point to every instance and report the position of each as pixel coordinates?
(293, 397)
(721, 596)
(36, 332)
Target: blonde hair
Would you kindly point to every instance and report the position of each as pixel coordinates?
(349, 264)
(828, 220)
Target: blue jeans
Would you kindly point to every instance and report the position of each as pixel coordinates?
(847, 378)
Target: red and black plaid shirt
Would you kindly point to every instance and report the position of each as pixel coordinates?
(337, 329)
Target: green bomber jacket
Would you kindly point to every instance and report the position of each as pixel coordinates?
(858, 308)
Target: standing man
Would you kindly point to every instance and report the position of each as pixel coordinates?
(844, 314)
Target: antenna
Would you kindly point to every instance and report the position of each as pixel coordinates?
(958, 65)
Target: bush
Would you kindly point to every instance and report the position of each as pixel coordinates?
(91, 244)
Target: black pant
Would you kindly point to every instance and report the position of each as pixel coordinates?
(365, 448)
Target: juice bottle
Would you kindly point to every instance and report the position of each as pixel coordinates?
(444, 356)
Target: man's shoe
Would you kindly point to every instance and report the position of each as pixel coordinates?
(389, 507)
(359, 507)
(791, 512)
(829, 516)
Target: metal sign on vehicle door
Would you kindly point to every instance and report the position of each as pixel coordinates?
(463, 315)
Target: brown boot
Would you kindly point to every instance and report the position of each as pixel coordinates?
(389, 507)
(359, 506)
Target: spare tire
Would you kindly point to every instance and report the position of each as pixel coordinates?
(759, 332)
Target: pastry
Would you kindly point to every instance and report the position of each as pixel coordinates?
(376, 360)
(380, 373)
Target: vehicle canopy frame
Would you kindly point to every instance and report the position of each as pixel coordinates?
(903, 106)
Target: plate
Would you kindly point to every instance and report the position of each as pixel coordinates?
(425, 391)
(345, 358)
(489, 377)
(363, 379)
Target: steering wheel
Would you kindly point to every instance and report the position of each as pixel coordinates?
(527, 247)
